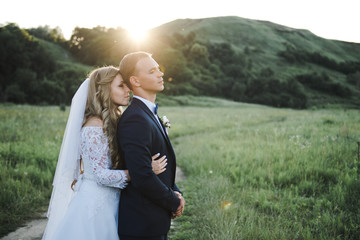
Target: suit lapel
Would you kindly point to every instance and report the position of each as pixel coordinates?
(152, 116)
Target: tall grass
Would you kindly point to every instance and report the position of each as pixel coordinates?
(29, 144)
(286, 174)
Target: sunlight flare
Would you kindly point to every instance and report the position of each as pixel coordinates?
(137, 33)
(225, 205)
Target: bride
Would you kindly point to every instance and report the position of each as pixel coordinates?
(87, 208)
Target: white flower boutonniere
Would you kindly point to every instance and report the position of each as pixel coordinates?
(165, 122)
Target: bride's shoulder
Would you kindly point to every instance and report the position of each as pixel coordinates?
(94, 122)
(93, 129)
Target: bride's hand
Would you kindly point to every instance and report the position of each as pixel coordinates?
(158, 165)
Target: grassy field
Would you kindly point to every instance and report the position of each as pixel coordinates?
(30, 141)
(253, 172)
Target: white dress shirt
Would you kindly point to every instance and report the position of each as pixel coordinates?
(150, 105)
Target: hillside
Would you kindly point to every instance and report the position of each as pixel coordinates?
(265, 38)
(225, 57)
(262, 41)
(36, 71)
(259, 35)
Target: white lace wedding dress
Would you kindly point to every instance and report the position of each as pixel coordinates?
(93, 212)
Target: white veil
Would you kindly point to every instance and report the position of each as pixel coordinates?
(68, 167)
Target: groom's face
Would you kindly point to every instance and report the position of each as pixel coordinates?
(149, 75)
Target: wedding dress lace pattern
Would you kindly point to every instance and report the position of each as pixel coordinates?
(93, 212)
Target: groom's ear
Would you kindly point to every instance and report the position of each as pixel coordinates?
(134, 81)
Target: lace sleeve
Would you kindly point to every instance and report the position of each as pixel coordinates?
(99, 157)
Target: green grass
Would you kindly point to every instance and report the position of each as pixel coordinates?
(288, 174)
(29, 145)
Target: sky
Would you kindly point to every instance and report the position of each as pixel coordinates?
(331, 19)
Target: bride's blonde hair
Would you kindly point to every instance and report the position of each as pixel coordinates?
(99, 104)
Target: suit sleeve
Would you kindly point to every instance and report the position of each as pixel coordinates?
(175, 188)
(135, 139)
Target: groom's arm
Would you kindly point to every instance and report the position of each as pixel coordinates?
(135, 139)
(175, 188)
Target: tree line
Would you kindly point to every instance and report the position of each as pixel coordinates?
(192, 66)
(31, 73)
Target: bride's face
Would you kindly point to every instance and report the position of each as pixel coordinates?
(119, 91)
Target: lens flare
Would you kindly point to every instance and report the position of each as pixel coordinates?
(226, 205)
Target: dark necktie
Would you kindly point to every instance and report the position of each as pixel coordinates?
(156, 108)
(161, 123)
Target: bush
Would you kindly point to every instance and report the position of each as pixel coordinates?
(324, 84)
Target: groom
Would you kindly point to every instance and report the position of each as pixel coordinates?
(149, 201)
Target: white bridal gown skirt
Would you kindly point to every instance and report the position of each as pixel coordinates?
(92, 214)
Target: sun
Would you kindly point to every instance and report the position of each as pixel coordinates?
(137, 33)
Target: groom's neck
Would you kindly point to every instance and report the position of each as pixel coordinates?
(146, 95)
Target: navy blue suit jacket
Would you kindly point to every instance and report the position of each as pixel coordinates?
(147, 202)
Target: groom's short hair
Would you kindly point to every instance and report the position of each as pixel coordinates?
(128, 65)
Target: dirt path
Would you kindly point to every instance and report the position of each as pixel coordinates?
(31, 231)
(34, 229)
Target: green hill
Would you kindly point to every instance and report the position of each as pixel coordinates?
(261, 36)
(36, 71)
(225, 57)
(264, 38)
(263, 41)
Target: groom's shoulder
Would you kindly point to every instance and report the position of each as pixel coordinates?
(133, 108)
(131, 111)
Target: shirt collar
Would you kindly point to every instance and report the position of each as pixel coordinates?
(148, 103)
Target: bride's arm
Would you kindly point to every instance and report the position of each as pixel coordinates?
(101, 163)
(158, 165)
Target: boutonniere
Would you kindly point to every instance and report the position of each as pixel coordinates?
(165, 122)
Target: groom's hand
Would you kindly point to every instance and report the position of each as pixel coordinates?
(181, 207)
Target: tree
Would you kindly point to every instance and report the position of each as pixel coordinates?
(238, 91)
(49, 34)
(19, 52)
(199, 54)
(354, 79)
